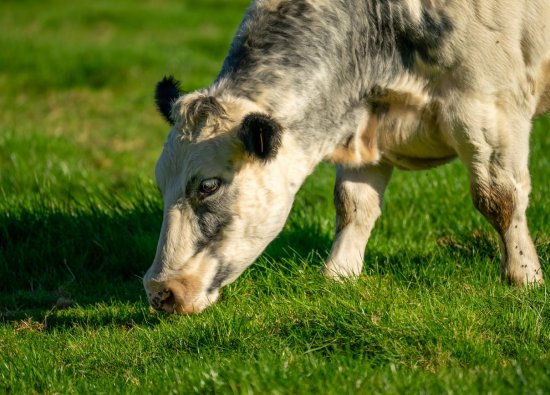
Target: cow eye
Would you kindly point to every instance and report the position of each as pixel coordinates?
(209, 187)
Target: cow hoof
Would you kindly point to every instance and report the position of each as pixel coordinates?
(524, 277)
(339, 274)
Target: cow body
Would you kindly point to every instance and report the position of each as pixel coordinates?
(368, 85)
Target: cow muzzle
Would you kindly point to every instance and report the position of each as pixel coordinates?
(178, 296)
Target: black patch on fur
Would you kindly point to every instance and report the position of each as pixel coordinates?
(261, 136)
(385, 34)
(213, 218)
(191, 186)
(224, 271)
(213, 213)
(422, 39)
(282, 37)
(212, 223)
(166, 93)
(276, 32)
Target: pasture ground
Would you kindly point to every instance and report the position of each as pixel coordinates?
(80, 216)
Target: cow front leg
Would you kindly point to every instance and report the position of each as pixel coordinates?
(358, 195)
(500, 187)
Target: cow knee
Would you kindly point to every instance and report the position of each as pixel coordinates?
(358, 199)
(346, 205)
(497, 202)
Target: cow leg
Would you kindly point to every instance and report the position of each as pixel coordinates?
(500, 187)
(358, 195)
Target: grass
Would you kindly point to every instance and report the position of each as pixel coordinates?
(80, 216)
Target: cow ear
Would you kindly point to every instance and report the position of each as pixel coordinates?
(166, 93)
(261, 136)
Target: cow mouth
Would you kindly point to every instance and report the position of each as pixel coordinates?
(169, 303)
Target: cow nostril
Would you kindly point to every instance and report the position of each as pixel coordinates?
(164, 301)
(176, 298)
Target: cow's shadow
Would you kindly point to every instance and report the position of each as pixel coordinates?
(55, 260)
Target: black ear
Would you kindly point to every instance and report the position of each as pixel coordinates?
(261, 136)
(166, 93)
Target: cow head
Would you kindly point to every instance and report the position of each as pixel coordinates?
(228, 174)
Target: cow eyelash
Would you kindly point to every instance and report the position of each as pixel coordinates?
(208, 187)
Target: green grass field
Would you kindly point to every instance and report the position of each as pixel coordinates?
(80, 216)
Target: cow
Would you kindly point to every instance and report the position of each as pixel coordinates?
(369, 85)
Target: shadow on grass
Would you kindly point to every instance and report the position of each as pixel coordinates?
(96, 257)
(88, 254)
(453, 254)
(58, 257)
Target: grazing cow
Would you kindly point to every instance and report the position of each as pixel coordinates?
(368, 85)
